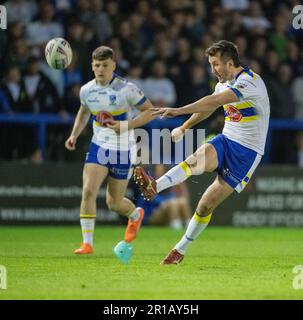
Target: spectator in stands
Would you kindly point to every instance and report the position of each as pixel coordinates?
(196, 87)
(18, 141)
(11, 98)
(194, 27)
(39, 32)
(161, 50)
(235, 26)
(242, 44)
(256, 66)
(81, 47)
(138, 27)
(42, 95)
(293, 57)
(72, 74)
(112, 10)
(271, 64)
(14, 91)
(130, 44)
(55, 76)
(18, 53)
(258, 49)
(158, 88)
(278, 37)
(122, 64)
(100, 21)
(282, 102)
(280, 93)
(216, 31)
(297, 89)
(22, 11)
(134, 75)
(255, 21)
(15, 30)
(71, 99)
(240, 5)
(179, 63)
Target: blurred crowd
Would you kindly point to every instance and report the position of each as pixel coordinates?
(159, 45)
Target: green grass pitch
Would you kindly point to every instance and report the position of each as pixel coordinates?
(223, 263)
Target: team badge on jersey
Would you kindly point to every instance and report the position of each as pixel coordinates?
(112, 99)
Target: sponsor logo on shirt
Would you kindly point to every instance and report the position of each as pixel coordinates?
(93, 100)
(241, 85)
(233, 113)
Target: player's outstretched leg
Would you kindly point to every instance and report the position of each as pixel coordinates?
(147, 184)
(149, 187)
(203, 160)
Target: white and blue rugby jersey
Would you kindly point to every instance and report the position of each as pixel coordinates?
(119, 98)
(246, 121)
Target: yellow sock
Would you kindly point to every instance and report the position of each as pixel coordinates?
(195, 227)
(200, 219)
(186, 168)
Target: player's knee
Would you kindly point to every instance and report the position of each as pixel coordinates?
(197, 170)
(113, 204)
(88, 194)
(203, 160)
(206, 207)
(195, 164)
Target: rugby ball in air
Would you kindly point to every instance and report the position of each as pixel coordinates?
(58, 53)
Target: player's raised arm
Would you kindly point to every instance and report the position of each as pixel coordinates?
(143, 117)
(80, 123)
(178, 133)
(207, 104)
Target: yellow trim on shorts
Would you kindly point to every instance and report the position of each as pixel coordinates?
(244, 183)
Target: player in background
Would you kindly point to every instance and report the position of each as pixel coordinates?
(234, 154)
(110, 100)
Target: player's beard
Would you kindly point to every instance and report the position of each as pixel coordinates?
(224, 76)
(221, 78)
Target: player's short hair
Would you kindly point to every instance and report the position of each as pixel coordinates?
(103, 53)
(227, 51)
